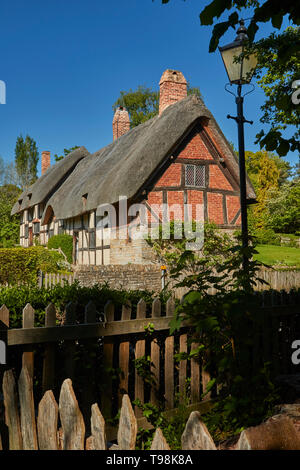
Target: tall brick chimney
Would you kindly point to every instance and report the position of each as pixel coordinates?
(173, 87)
(45, 161)
(121, 122)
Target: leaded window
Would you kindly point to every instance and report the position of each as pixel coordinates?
(195, 175)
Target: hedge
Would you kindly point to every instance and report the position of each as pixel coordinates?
(64, 242)
(21, 265)
(15, 298)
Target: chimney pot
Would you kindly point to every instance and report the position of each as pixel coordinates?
(121, 122)
(173, 88)
(45, 161)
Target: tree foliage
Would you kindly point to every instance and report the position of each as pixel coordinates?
(9, 225)
(143, 103)
(278, 67)
(26, 160)
(283, 207)
(278, 61)
(66, 152)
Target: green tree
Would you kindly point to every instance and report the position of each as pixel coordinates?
(284, 208)
(264, 173)
(66, 152)
(9, 225)
(26, 160)
(143, 103)
(278, 62)
(276, 71)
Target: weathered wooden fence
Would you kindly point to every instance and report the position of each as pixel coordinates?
(116, 341)
(120, 343)
(61, 426)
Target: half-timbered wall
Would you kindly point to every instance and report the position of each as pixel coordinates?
(198, 175)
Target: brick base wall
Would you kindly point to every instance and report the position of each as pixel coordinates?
(129, 277)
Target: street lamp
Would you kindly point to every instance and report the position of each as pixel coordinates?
(240, 69)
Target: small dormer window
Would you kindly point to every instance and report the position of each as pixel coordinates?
(29, 196)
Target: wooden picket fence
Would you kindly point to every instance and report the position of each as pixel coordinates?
(121, 342)
(136, 333)
(61, 426)
(49, 280)
(31, 430)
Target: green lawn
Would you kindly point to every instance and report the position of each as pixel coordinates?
(280, 256)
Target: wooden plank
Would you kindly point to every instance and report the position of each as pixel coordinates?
(124, 355)
(155, 354)
(28, 425)
(156, 308)
(12, 418)
(195, 377)
(139, 352)
(109, 311)
(182, 368)
(70, 319)
(159, 442)
(71, 419)
(4, 317)
(90, 316)
(196, 435)
(169, 372)
(47, 422)
(90, 313)
(49, 357)
(98, 429)
(19, 336)
(169, 360)
(28, 322)
(127, 426)
(108, 352)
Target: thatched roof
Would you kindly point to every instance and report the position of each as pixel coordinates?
(123, 167)
(44, 187)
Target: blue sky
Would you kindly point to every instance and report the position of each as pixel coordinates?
(65, 62)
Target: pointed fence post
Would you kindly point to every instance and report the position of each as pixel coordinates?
(28, 425)
(124, 355)
(70, 319)
(47, 422)
(139, 352)
(108, 351)
(49, 358)
(12, 417)
(155, 354)
(169, 360)
(127, 426)
(72, 422)
(28, 356)
(98, 429)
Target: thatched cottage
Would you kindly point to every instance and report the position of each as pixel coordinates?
(178, 157)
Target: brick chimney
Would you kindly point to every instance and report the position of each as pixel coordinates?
(121, 122)
(45, 161)
(173, 88)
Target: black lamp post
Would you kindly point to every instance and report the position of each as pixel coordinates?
(240, 73)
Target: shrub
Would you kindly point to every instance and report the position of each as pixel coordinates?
(64, 242)
(21, 265)
(265, 236)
